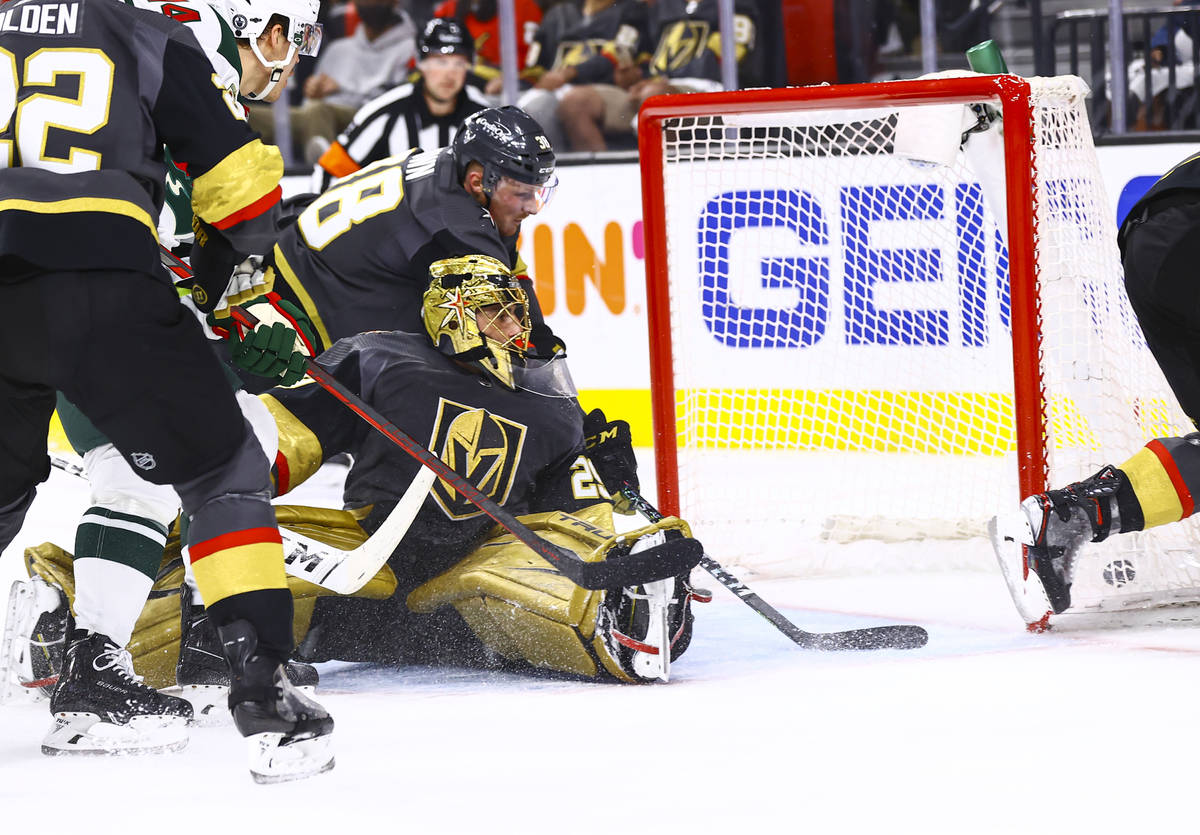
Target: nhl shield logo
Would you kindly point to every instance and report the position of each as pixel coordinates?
(482, 447)
(143, 460)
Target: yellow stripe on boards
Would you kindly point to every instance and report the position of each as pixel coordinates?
(962, 423)
(57, 441)
(632, 405)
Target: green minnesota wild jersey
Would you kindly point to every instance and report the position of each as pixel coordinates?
(357, 258)
(525, 451)
(217, 41)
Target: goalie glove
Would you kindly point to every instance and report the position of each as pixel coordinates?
(277, 347)
(610, 448)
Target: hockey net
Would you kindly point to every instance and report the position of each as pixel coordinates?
(847, 347)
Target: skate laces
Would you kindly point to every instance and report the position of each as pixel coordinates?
(118, 659)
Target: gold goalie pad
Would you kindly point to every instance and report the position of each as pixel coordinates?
(155, 642)
(522, 609)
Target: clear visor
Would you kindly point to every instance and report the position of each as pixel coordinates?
(526, 193)
(544, 377)
(307, 37)
(545, 192)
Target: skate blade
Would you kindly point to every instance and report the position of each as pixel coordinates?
(210, 704)
(1025, 588)
(86, 734)
(273, 759)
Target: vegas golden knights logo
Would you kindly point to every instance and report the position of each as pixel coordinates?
(682, 43)
(482, 447)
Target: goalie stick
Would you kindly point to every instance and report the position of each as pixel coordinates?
(875, 637)
(344, 572)
(657, 563)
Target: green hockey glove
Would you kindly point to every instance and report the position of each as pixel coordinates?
(278, 345)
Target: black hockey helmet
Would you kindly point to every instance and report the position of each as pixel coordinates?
(507, 142)
(445, 36)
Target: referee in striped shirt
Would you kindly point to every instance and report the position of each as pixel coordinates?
(424, 113)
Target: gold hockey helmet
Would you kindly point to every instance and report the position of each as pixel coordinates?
(475, 311)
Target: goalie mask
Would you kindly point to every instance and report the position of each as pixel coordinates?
(476, 311)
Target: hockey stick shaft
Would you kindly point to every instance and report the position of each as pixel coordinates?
(325, 565)
(876, 637)
(633, 569)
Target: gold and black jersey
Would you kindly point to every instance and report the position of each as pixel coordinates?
(687, 40)
(593, 44)
(521, 449)
(95, 89)
(357, 258)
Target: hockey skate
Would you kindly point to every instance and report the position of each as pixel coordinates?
(1038, 546)
(289, 734)
(101, 707)
(203, 674)
(646, 627)
(35, 630)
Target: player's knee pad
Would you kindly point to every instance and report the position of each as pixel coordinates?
(245, 474)
(116, 486)
(522, 610)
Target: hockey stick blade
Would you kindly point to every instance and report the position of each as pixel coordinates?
(588, 575)
(900, 636)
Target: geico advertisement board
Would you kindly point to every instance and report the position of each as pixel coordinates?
(586, 255)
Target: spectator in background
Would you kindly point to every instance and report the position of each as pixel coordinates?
(600, 43)
(349, 72)
(687, 59)
(423, 114)
(483, 22)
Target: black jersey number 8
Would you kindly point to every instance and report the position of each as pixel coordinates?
(376, 189)
(85, 113)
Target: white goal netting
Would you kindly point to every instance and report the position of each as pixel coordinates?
(840, 333)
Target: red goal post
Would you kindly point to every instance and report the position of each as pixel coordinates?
(847, 345)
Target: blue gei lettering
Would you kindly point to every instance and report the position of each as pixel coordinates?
(731, 324)
(804, 321)
(865, 267)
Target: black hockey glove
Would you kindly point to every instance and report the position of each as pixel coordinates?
(278, 346)
(213, 260)
(610, 448)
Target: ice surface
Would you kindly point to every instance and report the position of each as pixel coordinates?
(986, 730)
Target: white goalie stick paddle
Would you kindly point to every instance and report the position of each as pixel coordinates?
(900, 636)
(348, 571)
(344, 572)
